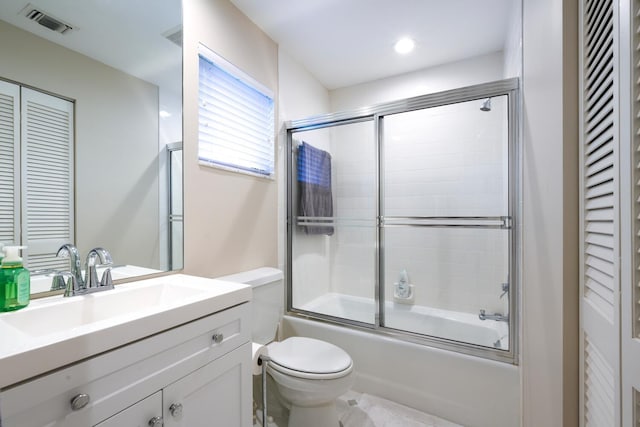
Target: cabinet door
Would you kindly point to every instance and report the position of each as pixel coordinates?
(218, 394)
(139, 415)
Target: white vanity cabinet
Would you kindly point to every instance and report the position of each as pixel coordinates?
(142, 414)
(189, 402)
(196, 374)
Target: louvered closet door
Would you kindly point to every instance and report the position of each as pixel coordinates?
(600, 224)
(630, 160)
(47, 177)
(9, 161)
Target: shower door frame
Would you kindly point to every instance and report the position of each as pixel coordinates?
(508, 87)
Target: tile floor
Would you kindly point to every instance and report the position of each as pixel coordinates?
(364, 410)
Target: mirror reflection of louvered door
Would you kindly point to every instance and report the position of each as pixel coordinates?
(9, 163)
(47, 176)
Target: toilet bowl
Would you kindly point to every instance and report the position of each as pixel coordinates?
(309, 373)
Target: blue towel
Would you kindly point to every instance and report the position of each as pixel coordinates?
(314, 187)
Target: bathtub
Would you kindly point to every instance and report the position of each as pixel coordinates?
(467, 390)
(456, 326)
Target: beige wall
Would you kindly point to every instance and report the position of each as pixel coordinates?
(230, 218)
(549, 348)
(116, 126)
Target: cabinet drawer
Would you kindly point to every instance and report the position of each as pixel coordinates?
(115, 379)
(136, 414)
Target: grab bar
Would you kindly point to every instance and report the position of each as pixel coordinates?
(327, 220)
(498, 222)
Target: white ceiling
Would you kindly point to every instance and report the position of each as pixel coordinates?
(341, 42)
(346, 42)
(125, 34)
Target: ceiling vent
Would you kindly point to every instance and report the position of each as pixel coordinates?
(45, 19)
(174, 35)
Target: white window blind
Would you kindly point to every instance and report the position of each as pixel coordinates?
(236, 118)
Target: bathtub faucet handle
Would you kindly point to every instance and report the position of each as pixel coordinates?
(498, 317)
(505, 289)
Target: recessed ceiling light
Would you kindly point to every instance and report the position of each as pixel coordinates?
(165, 114)
(404, 45)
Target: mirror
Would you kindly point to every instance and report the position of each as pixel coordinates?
(118, 64)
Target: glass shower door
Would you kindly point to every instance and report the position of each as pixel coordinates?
(334, 232)
(446, 222)
(176, 229)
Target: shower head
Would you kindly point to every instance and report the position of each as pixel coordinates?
(486, 105)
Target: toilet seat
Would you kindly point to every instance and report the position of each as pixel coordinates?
(309, 358)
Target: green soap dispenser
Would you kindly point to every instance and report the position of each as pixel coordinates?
(14, 280)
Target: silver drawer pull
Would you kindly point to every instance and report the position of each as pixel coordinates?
(156, 422)
(80, 401)
(176, 410)
(217, 338)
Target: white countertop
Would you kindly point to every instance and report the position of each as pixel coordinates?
(32, 346)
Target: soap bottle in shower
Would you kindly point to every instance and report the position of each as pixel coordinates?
(403, 290)
(402, 286)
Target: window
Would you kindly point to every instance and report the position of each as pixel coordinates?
(236, 118)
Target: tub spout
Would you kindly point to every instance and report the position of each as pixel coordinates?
(495, 316)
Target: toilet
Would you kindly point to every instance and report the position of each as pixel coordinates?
(309, 373)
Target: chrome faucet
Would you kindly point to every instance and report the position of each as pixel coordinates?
(71, 252)
(90, 272)
(75, 284)
(498, 317)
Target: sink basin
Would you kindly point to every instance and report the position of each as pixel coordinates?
(55, 331)
(69, 313)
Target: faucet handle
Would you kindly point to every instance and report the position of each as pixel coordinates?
(70, 287)
(106, 278)
(505, 289)
(58, 282)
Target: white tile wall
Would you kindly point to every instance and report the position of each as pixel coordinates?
(447, 161)
(355, 193)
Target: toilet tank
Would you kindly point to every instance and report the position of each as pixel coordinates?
(267, 303)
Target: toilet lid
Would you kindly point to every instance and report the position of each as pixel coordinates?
(309, 355)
